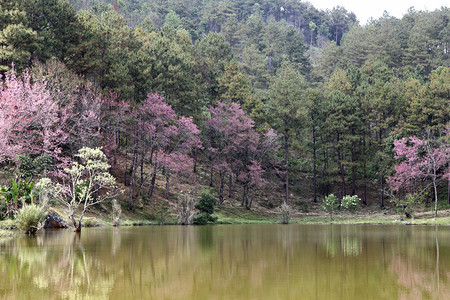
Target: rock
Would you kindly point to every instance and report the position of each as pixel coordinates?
(53, 220)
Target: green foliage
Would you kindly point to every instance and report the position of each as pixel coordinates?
(300, 204)
(205, 206)
(409, 203)
(162, 212)
(330, 204)
(30, 167)
(15, 195)
(285, 212)
(206, 203)
(350, 203)
(46, 192)
(30, 218)
(201, 219)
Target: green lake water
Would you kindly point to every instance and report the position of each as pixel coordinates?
(229, 262)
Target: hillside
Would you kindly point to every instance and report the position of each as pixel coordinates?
(279, 100)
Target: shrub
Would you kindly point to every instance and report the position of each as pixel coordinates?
(30, 218)
(409, 204)
(185, 207)
(301, 205)
(205, 207)
(201, 219)
(15, 196)
(330, 204)
(285, 212)
(92, 222)
(350, 203)
(116, 212)
(162, 212)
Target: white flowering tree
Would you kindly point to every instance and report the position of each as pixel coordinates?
(89, 183)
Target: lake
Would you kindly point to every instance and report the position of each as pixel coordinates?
(229, 262)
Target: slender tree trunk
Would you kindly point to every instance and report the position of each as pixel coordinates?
(211, 173)
(167, 185)
(364, 199)
(381, 183)
(341, 170)
(195, 160)
(245, 195)
(324, 172)
(314, 164)
(435, 194)
(353, 169)
(250, 199)
(286, 149)
(126, 162)
(380, 173)
(152, 184)
(222, 180)
(230, 185)
(142, 167)
(448, 190)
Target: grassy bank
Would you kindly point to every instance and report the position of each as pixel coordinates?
(259, 215)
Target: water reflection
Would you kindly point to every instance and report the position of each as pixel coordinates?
(229, 262)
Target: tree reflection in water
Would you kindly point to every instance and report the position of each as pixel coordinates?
(232, 262)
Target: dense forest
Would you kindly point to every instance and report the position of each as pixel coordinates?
(258, 93)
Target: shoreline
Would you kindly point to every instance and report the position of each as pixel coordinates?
(241, 216)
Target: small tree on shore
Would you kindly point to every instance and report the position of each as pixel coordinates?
(87, 181)
(330, 204)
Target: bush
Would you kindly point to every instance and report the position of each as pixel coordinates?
(409, 204)
(162, 212)
(350, 203)
(46, 192)
(116, 212)
(206, 208)
(30, 218)
(285, 212)
(201, 219)
(301, 205)
(330, 204)
(92, 222)
(15, 196)
(206, 203)
(185, 207)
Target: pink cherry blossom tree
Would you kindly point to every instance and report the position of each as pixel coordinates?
(163, 140)
(30, 122)
(236, 149)
(419, 161)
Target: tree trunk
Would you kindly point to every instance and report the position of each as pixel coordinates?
(314, 164)
(167, 185)
(76, 226)
(364, 198)
(222, 180)
(230, 185)
(353, 169)
(380, 173)
(435, 194)
(245, 195)
(195, 160)
(341, 170)
(126, 162)
(152, 184)
(286, 149)
(211, 173)
(448, 190)
(381, 183)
